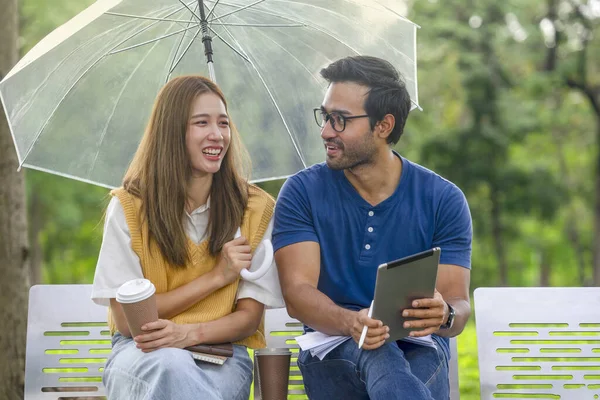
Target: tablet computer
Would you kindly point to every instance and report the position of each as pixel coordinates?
(399, 283)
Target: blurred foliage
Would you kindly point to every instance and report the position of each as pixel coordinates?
(468, 368)
(65, 216)
(496, 121)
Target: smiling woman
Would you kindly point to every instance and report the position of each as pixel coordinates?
(208, 134)
(170, 170)
(174, 222)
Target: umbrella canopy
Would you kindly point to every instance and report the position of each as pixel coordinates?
(78, 102)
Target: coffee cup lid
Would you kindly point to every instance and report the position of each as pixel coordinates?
(272, 351)
(135, 290)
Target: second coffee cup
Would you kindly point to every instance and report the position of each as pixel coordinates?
(273, 367)
(139, 304)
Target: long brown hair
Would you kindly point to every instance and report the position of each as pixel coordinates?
(161, 168)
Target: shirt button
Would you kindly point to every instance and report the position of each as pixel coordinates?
(368, 246)
(371, 213)
(370, 229)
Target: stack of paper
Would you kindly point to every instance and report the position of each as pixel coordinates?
(319, 343)
(423, 341)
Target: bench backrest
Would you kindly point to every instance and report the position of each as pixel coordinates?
(538, 341)
(68, 343)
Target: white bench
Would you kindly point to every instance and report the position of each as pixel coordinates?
(68, 343)
(541, 343)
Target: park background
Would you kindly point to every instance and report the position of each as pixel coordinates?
(511, 113)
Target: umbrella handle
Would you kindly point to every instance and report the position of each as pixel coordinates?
(264, 267)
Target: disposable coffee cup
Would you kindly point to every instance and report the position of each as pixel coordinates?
(139, 304)
(273, 367)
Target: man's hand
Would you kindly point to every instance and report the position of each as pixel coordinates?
(163, 333)
(430, 313)
(377, 333)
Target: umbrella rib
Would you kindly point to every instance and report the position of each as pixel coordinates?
(79, 47)
(305, 24)
(397, 14)
(37, 136)
(192, 11)
(291, 55)
(212, 10)
(238, 10)
(323, 31)
(262, 11)
(105, 129)
(139, 32)
(309, 46)
(173, 66)
(118, 99)
(152, 40)
(147, 18)
(86, 43)
(260, 25)
(229, 45)
(287, 128)
(347, 19)
(174, 61)
(4, 107)
(64, 175)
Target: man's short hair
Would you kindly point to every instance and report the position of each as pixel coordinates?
(387, 91)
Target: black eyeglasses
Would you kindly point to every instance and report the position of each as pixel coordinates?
(337, 120)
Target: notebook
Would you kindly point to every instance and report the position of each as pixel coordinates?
(212, 353)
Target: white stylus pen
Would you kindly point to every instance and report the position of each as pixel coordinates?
(363, 335)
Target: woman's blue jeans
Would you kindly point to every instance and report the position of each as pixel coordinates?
(170, 373)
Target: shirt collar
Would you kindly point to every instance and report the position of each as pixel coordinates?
(201, 209)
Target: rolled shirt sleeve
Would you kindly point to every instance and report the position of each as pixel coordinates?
(117, 262)
(265, 290)
(453, 228)
(293, 216)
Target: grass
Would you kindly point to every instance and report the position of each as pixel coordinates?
(468, 368)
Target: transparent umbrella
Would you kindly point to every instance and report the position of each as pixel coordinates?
(78, 102)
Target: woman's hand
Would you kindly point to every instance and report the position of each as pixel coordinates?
(235, 256)
(163, 333)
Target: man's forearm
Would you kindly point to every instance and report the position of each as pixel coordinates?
(462, 310)
(313, 308)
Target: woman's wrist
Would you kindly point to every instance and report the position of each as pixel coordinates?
(216, 278)
(195, 334)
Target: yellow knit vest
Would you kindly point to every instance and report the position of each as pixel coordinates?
(165, 278)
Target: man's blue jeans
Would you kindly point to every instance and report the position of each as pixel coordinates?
(398, 370)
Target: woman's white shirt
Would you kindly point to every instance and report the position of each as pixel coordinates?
(118, 263)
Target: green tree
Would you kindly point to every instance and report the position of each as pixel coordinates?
(572, 56)
(493, 101)
(13, 232)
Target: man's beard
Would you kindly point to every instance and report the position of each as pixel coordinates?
(359, 154)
